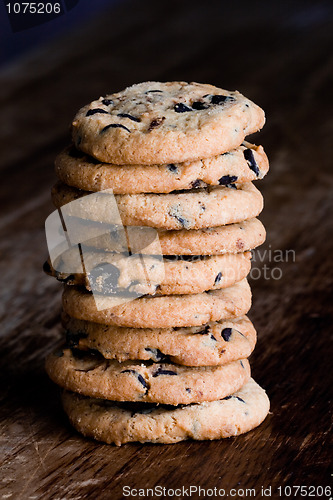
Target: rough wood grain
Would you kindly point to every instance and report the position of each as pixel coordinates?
(280, 55)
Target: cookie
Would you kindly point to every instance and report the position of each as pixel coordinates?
(91, 375)
(243, 164)
(159, 312)
(112, 273)
(121, 423)
(192, 209)
(231, 238)
(155, 122)
(215, 343)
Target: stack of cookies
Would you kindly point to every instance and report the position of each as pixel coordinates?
(158, 206)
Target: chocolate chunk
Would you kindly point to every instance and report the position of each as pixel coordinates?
(158, 355)
(249, 157)
(160, 371)
(96, 110)
(114, 125)
(73, 339)
(140, 377)
(103, 278)
(126, 115)
(205, 331)
(173, 168)
(173, 212)
(198, 105)
(221, 99)
(156, 123)
(181, 108)
(226, 334)
(181, 220)
(196, 184)
(218, 278)
(227, 179)
(107, 102)
(236, 397)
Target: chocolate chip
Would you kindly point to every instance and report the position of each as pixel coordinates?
(181, 108)
(140, 377)
(205, 331)
(236, 397)
(103, 278)
(96, 110)
(226, 334)
(198, 105)
(213, 338)
(249, 157)
(142, 381)
(73, 339)
(156, 123)
(173, 212)
(158, 355)
(107, 102)
(196, 184)
(221, 99)
(227, 179)
(173, 168)
(126, 115)
(218, 278)
(114, 125)
(160, 371)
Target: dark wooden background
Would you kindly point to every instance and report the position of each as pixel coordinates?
(280, 55)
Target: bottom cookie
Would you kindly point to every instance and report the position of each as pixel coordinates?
(120, 423)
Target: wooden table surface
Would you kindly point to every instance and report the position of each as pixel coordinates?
(280, 55)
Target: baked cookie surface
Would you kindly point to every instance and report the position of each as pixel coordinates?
(159, 312)
(156, 122)
(192, 209)
(112, 273)
(216, 343)
(231, 238)
(120, 423)
(243, 164)
(90, 374)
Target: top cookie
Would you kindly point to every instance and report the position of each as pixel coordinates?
(155, 122)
